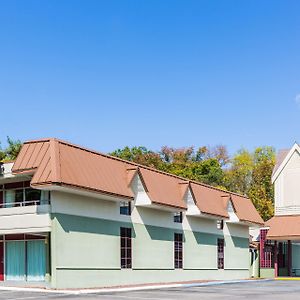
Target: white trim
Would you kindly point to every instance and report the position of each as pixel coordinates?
(295, 148)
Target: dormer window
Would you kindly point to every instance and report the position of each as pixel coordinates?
(220, 224)
(125, 208)
(178, 217)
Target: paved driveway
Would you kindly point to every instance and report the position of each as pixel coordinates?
(253, 290)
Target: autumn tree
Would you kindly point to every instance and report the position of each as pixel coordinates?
(261, 191)
(238, 176)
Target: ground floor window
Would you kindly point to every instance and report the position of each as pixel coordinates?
(178, 250)
(24, 257)
(220, 253)
(126, 248)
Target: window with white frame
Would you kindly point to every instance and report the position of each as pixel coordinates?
(21, 194)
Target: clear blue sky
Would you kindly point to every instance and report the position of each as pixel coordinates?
(106, 74)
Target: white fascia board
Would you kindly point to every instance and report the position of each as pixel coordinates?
(285, 161)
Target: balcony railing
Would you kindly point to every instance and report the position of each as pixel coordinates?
(25, 203)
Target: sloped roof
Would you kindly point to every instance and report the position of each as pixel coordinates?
(31, 155)
(58, 162)
(162, 188)
(209, 200)
(281, 155)
(282, 159)
(62, 163)
(284, 228)
(245, 210)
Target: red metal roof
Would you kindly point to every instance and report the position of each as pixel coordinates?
(245, 210)
(209, 200)
(284, 228)
(163, 189)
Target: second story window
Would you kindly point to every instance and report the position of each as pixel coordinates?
(125, 208)
(21, 194)
(178, 217)
(220, 224)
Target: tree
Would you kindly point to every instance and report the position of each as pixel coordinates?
(238, 177)
(208, 171)
(261, 191)
(2, 154)
(11, 151)
(140, 155)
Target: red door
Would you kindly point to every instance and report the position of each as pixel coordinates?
(1, 261)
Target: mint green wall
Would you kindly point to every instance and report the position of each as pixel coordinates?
(200, 250)
(153, 247)
(104, 278)
(236, 252)
(296, 258)
(267, 273)
(86, 253)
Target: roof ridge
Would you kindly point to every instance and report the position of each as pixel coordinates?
(133, 164)
(55, 160)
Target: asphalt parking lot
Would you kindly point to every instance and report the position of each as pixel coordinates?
(252, 290)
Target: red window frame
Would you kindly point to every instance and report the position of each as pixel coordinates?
(266, 250)
(126, 247)
(178, 250)
(220, 258)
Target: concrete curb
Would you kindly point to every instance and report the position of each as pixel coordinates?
(128, 289)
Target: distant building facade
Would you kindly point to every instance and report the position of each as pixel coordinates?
(279, 239)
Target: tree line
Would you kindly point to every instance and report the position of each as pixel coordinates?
(246, 172)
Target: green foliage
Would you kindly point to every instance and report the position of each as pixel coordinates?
(261, 191)
(239, 175)
(197, 165)
(11, 151)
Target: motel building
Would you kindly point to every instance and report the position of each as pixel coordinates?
(280, 238)
(71, 217)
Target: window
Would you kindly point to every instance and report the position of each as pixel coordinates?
(125, 208)
(178, 217)
(126, 248)
(20, 194)
(178, 250)
(220, 253)
(220, 224)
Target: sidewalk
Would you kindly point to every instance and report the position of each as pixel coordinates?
(10, 286)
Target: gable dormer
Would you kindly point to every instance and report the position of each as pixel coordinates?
(233, 218)
(286, 179)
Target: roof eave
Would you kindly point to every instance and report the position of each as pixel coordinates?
(43, 184)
